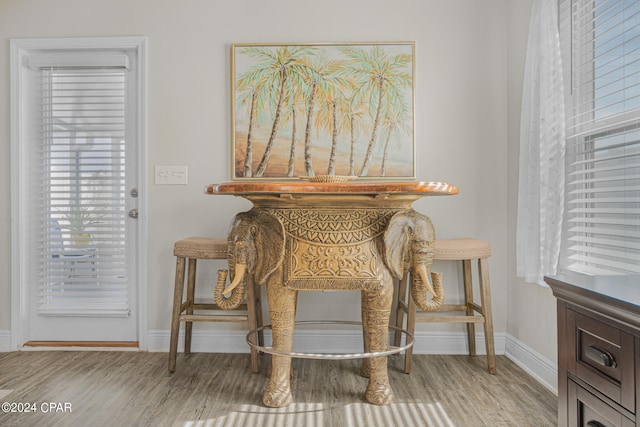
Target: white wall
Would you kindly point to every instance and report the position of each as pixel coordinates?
(532, 313)
(467, 100)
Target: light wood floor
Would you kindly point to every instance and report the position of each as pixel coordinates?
(135, 389)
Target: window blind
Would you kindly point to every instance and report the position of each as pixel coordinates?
(602, 215)
(82, 187)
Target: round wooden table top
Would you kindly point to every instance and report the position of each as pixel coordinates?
(241, 188)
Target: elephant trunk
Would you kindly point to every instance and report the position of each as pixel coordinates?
(420, 286)
(237, 294)
(237, 259)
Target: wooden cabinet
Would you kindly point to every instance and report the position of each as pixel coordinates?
(598, 349)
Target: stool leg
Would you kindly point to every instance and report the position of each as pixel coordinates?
(253, 324)
(191, 290)
(411, 328)
(468, 300)
(485, 292)
(259, 321)
(400, 309)
(365, 366)
(175, 315)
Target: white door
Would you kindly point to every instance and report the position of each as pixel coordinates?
(80, 227)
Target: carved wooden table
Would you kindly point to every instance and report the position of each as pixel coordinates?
(353, 236)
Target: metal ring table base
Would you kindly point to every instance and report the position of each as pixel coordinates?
(331, 356)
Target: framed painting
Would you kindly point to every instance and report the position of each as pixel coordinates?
(310, 110)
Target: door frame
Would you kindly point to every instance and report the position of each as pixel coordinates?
(20, 289)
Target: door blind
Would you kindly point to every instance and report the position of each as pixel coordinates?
(602, 222)
(82, 156)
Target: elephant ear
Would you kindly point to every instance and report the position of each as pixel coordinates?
(397, 239)
(269, 242)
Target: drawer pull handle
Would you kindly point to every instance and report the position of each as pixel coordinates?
(594, 424)
(601, 356)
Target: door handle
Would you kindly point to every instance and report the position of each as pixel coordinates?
(133, 213)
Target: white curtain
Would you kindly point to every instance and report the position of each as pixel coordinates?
(542, 144)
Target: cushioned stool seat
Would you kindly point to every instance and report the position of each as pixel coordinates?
(193, 249)
(464, 250)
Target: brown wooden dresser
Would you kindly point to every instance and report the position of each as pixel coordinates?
(598, 349)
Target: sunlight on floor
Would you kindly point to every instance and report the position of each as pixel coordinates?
(313, 414)
(4, 393)
(296, 414)
(397, 414)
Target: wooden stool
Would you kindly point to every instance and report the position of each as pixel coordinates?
(193, 249)
(464, 250)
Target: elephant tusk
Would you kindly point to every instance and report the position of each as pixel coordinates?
(424, 277)
(240, 270)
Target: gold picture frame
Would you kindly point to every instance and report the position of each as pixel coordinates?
(330, 109)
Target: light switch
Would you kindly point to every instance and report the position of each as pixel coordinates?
(170, 175)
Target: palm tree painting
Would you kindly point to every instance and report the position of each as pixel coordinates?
(323, 109)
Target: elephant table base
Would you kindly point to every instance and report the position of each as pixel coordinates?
(252, 342)
(315, 236)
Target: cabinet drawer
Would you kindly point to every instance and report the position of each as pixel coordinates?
(585, 409)
(603, 356)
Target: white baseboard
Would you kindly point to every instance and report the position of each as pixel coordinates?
(205, 341)
(453, 343)
(5, 341)
(320, 341)
(542, 369)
